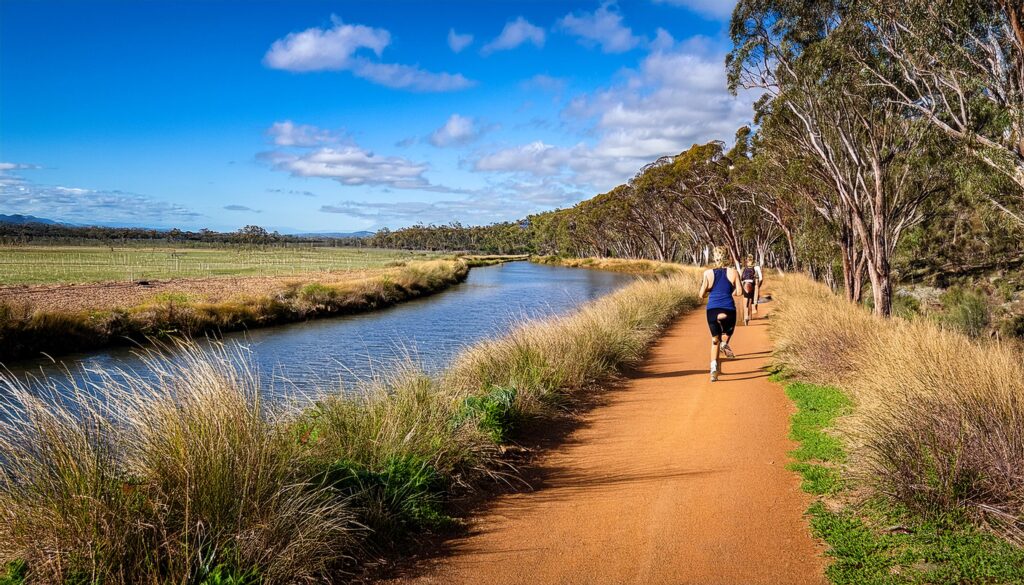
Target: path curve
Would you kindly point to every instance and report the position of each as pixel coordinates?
(676, 480)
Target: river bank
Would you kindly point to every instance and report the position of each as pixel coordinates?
(69, 318)
(291, 494)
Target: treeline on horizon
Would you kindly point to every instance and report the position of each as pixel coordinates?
(38, 232)
(889, 147)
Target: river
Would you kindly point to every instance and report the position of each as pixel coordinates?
(428, 331)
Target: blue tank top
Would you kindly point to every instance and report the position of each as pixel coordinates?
(721, 291)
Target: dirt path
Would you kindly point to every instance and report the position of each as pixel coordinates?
(675, 481)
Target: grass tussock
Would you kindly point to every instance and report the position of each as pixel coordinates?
(177, 481)
(938, 422)
(626, 265)
(27, 331)
(195, 479)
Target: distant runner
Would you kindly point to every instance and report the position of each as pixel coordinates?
(720, 283)
(752, 278)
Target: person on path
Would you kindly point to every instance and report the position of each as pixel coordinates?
(752, 278)
(720, 283)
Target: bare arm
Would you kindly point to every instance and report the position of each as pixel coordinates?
(704, 285)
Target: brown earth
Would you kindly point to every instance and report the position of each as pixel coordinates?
(675, 480)
(98, 296)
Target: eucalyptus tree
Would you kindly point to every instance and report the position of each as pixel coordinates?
(959, 64)
(806, 56)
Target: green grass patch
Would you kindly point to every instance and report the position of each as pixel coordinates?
(877, 542)
(14, 573)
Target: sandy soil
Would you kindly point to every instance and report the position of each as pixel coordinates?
(112, 295)
(675, 480)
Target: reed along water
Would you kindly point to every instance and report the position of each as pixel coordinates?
(323, 354)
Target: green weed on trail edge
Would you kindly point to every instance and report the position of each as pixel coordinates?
(14, 573)
(877, 542)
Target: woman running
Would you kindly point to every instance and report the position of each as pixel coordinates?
(751, 280)
(720, 284)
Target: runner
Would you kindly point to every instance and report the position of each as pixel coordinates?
(751, 278)
(720, 284)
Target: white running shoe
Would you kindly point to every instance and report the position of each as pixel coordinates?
(714, 371)
(728, 351)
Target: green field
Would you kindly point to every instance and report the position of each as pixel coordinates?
(71, 264)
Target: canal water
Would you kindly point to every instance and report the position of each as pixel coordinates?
(428, 332)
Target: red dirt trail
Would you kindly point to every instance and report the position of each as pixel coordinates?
(676, 480)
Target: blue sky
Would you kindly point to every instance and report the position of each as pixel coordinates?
(340, 116)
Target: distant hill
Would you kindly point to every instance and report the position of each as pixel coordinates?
(23, 219)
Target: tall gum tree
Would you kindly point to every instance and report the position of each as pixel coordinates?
(875, 156)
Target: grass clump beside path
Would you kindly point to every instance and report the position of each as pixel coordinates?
(196, 479)
(913, 441)
(26, 330)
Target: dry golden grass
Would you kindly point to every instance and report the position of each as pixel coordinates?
(939, 417)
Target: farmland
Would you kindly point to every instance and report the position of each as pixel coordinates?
(32, 265)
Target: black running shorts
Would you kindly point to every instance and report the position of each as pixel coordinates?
(723, 326)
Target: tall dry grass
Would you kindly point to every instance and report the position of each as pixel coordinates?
(133, 482)
(195, 475)
(939, 417)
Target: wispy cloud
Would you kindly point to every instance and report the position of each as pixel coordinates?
(543, 82)
(288, 133)
(87, 206)
(242, 208)
(292, 192)
(342, 48)
(603, 28)
(515, 33)
(457, 42)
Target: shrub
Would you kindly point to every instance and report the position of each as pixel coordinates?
(965, 310)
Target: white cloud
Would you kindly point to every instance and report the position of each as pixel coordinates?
(536, 158)
(457, 131)
(410, 77)
(242, 208)
(287, 133)
(339, 48)
(602, 27)
(515, 33)
(317, 49)
(716, 9)
(351, 165)
(458, 42)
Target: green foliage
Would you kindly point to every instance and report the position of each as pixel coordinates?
(493, 411)
(224, 575)
(14, 573)
(404, 493)
(1013, 327)
(966, 310)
